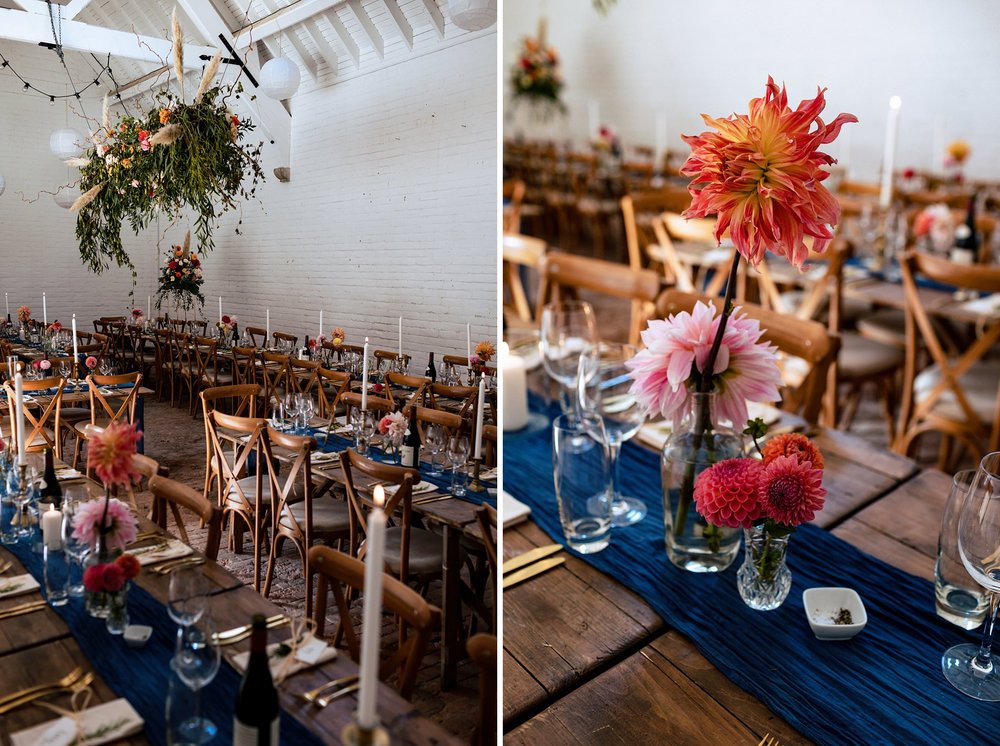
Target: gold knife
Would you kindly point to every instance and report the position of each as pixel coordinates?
(521, 560)
(23, 609)
(531, 571)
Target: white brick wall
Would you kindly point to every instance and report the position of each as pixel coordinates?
(391, 210)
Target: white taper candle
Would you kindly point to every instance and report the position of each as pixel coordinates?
(468, 340)
(45, 310)
(220, 309)
(889, 153)
(478, 452)
(267, 333)
(22, 457)
(364, 378)
(320, 332)
(401, 336)
(371, 621)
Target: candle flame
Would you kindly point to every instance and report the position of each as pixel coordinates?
(379, 496)
(895, 102)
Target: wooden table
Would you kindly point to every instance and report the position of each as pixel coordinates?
(34, 647)
(579, 646)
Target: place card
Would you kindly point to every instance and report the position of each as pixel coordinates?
(513, 510)
(420, 488)
(101, 724)
(311, 651)
(166, 549)
(18, 585)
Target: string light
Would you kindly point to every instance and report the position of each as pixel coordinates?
(28, 86)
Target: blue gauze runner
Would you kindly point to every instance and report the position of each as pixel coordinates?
(140, 675)
(883, 687)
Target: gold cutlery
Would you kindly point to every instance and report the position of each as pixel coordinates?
(768, 740)
(238, 634)
(433, 499)
(533, 555)
(324, 701)
(73, 688)
(509, 581)
(66, 680)
(23, 609)
(4, 567)
(169, 566)
(312, 694)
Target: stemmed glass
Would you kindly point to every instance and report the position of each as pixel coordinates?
(65, 369)
(291, 410)
(196, 662)
(106, 368)
(186, 602)
(307, 408)
(605, 390)
(568, 329)
(458, 454)
(76, 549)
(975, 670)
(434, 440)
(363, 424)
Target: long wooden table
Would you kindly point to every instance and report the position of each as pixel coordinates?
(37, 647)
(588, 661)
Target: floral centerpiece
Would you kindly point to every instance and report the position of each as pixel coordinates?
(936, 224)
(608, 142)
(535, 75)
(109, 526)
(228, 323)
(956, 155)
(768, 498)
(90, 362)
(55, 327)
(181, 277)
(23, 314)
(176, 158)
(138, 317)
(761, 175)
(393, 427)
(338, 335)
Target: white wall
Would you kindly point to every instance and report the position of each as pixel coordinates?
(391, 209)
(713, 56)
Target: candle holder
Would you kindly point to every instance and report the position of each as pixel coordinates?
(354, 735)
(475, 485)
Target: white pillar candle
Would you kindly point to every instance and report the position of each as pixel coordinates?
(478, 452)
(52, 529)
(149, 307)
(401, 336)
(889, 153)
(371, 621)
(76, 360)
(220, 309)
(6, 302)
(514, 385)
(468, 340)
(320, 333)
(22, 456)
(364, 378)
(45, 311)
(267, 334)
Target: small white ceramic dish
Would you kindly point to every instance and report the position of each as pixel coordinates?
(137, 635)
(824, 605)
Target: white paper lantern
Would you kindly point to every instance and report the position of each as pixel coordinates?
(3, 184)
(65, 198)
(279, 78)
(473, 15)
(66, 144)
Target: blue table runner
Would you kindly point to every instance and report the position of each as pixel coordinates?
(883, 687)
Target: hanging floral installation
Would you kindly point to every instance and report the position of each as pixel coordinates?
(536, 76)
(180, 157)
(181, 278)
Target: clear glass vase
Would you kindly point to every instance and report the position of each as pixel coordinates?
(117, 605)
(97, 603)
(693, 544)
(764, 578)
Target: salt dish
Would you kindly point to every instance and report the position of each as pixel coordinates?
(823, 607)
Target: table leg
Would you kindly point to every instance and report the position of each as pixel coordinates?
(451, 622)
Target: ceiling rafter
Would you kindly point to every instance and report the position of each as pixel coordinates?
(437, 18)
(325, 48)
(292, 36)
(345, 37)
(282, 19)
(372, 33)
(399, 21)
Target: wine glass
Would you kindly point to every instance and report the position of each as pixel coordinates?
(65, 369)
(363, 424)
(434, 440)
(196, 662)
(307, 408)
(76, 549)
(568, 328)
(975, 670)
(187, 601)
(105, 367)
(291, 410)
(605, 390)
(457, 453)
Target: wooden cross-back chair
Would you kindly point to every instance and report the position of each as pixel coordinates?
(244, 365)
(177, 496)
(333, 384)
(164, 367)
(274, 373)
(454, 424)
(958, 395)
(407, 390)
(459, 399)
(799, 338)
(303, 376)
(149, 468)
(352, 400)
(513, 195)
(244, 499)
(239, 400)
(258, 335)
(284, 336)
(411, 553)
(564, 274)
(201, 370)
(520, 254)
(43, 429)
(107, 408)
(638, 211)
(419, 620)
(298, 514)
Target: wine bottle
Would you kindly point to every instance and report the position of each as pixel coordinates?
(966, 250)
(236, 335)
(52, 491)
(410, 452)
(255, 722)
(431, 371)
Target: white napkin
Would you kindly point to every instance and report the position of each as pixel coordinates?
(311, 652)
(17, 585)
(655, 434)
(101, 724)
(513, 510)
(168, 549)
(322, 457)
(419, 488)
(67, 472)
(988, 306)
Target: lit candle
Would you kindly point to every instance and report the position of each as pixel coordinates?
(6, 303)
(371, 621)
(889, 154)
(149, 307)
(364, 378)
(320, 334)
(22, 456)
(267, 333)
(220, 309)
(52, 529)
(468, 341)
(45, 311)
(401, 336)
(514, 384)
(76, 359)
(478, 453)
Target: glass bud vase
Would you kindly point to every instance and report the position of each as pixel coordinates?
(693, 544)
(96, 602)
(764, 578)
(117, 619)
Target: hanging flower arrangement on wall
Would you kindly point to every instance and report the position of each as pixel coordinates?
(179, 157)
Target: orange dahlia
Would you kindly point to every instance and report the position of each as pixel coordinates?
(111, 454)
(761, 174)
(793, 444)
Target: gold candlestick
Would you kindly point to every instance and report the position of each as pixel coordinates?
(475, 485)
(354, 735)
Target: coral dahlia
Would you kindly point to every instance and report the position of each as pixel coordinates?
(793, 444)
(726, 494)
(791, 492)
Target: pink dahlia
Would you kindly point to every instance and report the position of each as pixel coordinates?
(726, 494)
(119, 523)
(761, 174)
(791, 492)
(744, 370)
(110, 454)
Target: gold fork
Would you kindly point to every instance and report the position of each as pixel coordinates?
(768, 740)
(168, 567)
(324, 701)
(4, 567)
(73, 688)
(25, 608)
(312, 694)
(66, 680)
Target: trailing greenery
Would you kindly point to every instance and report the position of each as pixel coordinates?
(180, 157)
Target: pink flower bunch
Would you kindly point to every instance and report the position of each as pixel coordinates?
(761, 173)
(786, 487)
(24, 314)
(55, 327)
(45, 364)
(229, 322)
(138, 316)
(111, 576)
(676, 353)
(110, 454)
(90, 362)
(393, 425)
(475, 359)
(119, 528)
(339, 335)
